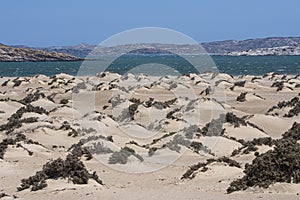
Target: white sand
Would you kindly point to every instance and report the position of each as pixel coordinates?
(90, 113)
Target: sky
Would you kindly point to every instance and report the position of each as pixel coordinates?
(41, 23)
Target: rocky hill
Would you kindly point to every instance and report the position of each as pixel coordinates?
(14, 54)
(223, 47)
(81, 50)
(283, 50)
(219, 47)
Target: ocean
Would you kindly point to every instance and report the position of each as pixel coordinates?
(252, 65)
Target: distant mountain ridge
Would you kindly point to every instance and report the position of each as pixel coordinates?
(226, 47)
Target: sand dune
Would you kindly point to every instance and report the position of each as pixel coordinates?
(140, 134)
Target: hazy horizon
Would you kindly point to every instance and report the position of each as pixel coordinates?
(86, 43)
(61, 23)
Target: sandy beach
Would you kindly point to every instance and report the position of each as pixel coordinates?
(144, 137)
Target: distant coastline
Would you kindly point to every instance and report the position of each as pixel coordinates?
(14, 54)
(226, 47)
(276, 46)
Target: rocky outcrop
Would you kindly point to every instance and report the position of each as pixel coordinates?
(13, 54)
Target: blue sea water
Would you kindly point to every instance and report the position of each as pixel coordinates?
(252, 65)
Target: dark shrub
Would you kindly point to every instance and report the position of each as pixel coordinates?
(242, 97)
(71, 168)
(234, 120)
(279, 85)
(122, 156)
(64, 101)
(279, 165)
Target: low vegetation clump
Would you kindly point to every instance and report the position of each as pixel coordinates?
(14, 121)
(170, 115)
(128, 113)
(79, 151)
(134, 100)
(14, 141)
(242, 97)
(279, 85)
(122, 156)
(32, 97)
(176, 141)
(251, 146)
(191, 130)
(238, 84)
(234, 120)
(164, 136)
(294, 111)
(198, 146)
(279, 165)
(191, 172)
(4, 145)
(17, 82)
(81, 86)
(132, 109)
(283, 104)
(215, 127)
(99, 148)
(159, 105)
(71, 168)
(293, 133)
(2, 194)
(64, 101)
(152, 151)
(206, 91)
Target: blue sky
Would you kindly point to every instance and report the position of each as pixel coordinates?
(70, 22)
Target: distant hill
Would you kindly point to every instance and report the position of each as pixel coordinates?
(282, 50)
(81, 50)
(9, 54)
(228, 47)
(224, 47)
